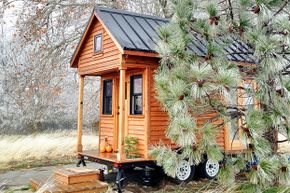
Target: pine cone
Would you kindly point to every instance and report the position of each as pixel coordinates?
(255, 167)
(181, 97)
(207, 57)
(256, 9)
(200, 82)
(230, 29)
(241, 31)
(283, 168)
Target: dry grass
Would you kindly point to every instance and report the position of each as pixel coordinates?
(48, 146)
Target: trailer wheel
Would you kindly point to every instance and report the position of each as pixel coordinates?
(184, 172)
(209, 169)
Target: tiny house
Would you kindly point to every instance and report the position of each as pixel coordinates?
(119, 46)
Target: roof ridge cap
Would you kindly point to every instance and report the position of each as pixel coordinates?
(126, 12)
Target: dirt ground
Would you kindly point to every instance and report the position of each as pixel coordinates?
(18, 181)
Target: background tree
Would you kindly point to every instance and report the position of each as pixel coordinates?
(189, 85)
(38, 89)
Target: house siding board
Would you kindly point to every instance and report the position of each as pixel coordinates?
(136, 128)
(157, 127)
(106, 129)
(90, 62)
(160, 121)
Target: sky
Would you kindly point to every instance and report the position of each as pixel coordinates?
(9, 19)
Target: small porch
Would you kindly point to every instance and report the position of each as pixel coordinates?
(119, 117)
(111, 159)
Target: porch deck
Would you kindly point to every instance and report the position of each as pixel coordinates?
(111, 158)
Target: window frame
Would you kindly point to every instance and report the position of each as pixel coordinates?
(238, 142)
(99, 35)
(105, 110)
(133, 95)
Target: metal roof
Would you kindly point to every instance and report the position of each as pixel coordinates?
(138, 32)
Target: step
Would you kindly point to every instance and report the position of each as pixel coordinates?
(53, 186)
(71, 176)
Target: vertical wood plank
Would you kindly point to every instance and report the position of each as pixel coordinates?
(126, 116)
(227, 136)
(80, 113)
(121, 113)
(115, 112)
(147, 110)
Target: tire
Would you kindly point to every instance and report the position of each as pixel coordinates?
(209, 169)
(184, 172)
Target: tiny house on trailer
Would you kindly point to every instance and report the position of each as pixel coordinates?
(119, 46)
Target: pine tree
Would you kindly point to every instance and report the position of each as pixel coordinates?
(190, 84)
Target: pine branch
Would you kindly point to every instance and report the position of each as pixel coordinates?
(283, 6)
(231, 10)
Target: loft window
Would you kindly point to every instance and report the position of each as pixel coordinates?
(107, 97)
(136, 95)
(98, 43)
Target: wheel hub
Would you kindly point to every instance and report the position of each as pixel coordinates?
(183, 170)
(212, 168)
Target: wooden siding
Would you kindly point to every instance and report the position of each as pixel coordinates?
(159, 119)
(135, 124)
(203, 118)
(90, 62)
(108, 126)
(138, 125)
(136, 128)
(106, 129)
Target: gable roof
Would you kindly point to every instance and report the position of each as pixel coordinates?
(138, 32)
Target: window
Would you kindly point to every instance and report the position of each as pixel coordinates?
(98, 43)
(234, 125)
(107, 97)
(136, 95)
(248, 100)
(242, 98)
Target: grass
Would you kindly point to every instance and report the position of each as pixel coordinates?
(41, 149)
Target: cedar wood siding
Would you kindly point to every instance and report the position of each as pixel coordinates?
(94, 63)
(136, 124)
(108, 124)
(159, 119)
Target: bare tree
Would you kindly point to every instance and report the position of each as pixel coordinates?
(39, 87)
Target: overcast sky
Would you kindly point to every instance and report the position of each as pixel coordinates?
(10, 18)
